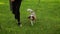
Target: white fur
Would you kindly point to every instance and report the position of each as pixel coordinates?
(29, 10)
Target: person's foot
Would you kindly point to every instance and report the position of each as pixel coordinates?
(19, 24)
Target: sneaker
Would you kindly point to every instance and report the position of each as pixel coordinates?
(19, 24)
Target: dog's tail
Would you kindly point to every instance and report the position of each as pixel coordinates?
(30, 10)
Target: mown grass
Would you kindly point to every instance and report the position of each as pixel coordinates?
(47, 12)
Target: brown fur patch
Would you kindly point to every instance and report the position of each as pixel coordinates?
(33, 18)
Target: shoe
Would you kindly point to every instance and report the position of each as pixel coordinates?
(19, 24)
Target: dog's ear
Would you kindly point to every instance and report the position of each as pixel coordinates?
(29, 17)
(33, 18)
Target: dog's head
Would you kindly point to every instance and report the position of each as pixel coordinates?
(31, 18)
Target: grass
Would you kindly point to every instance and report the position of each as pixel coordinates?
(48, 18)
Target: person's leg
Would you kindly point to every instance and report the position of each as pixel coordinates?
(17, 16)
(13, 7)
(17, 12)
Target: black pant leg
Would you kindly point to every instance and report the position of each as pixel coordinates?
(15, 9)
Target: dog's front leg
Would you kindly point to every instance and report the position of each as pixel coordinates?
(31, 22)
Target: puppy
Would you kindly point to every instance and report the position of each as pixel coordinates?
(32, 16)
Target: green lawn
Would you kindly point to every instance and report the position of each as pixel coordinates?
(47, 12)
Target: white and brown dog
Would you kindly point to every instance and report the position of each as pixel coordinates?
(32, 16)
